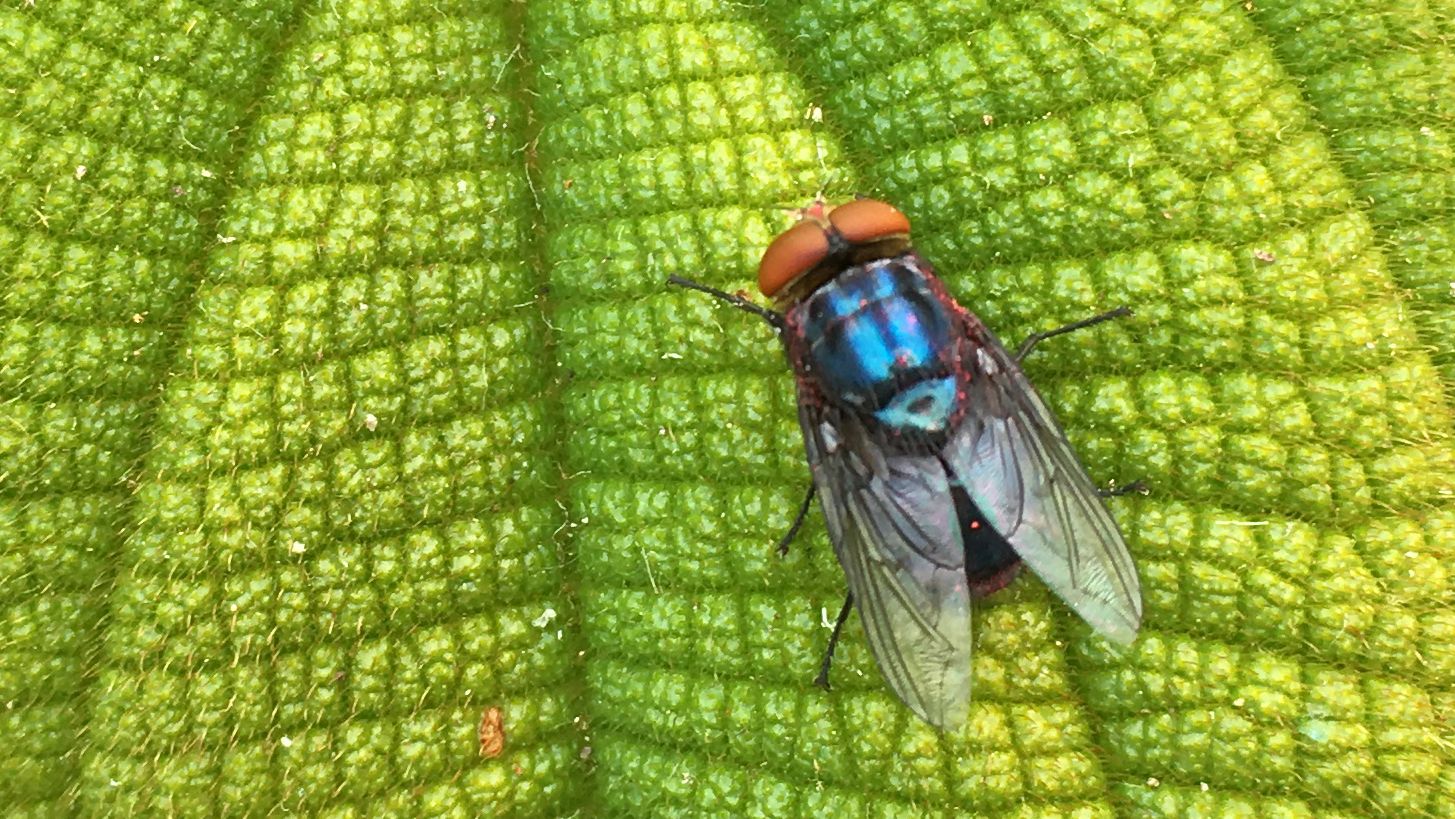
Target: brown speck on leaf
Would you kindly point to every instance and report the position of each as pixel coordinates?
(178, 190)
(1264, 256)
(566, 185)
(492, 733)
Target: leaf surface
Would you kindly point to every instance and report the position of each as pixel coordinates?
(343, 401)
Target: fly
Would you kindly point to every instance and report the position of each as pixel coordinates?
(939, 469)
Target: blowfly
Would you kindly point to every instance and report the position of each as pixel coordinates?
(939, 469)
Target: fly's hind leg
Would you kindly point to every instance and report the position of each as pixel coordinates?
(1137, 487)
(822, 680)
(1037, 338)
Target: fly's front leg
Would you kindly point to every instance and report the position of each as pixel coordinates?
(774, 318)
(1037, 338)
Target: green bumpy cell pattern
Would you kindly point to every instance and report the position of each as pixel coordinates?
(343, 400)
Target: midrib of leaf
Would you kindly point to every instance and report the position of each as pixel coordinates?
(179, 725)
(137, 758)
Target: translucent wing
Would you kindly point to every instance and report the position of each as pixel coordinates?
(893, 526)
(1016, 464)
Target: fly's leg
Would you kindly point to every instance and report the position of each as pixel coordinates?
(822, 680)
(772, 317)
(1125, 489)
(1037, 338)
(797, 521)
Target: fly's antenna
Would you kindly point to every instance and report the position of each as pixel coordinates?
(823, 185)
(818, 206)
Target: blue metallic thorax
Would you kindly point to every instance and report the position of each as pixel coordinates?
(881, 341)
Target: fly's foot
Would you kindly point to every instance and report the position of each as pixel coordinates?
(1137, 487)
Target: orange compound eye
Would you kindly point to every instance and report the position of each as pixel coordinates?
(865, 220)
(793, 253)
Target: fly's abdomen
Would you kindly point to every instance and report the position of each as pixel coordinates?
(879, 341)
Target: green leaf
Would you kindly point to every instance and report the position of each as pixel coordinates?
(343, 400)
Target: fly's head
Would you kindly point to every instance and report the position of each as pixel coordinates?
(825, 242)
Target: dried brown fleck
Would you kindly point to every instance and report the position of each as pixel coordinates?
(492, 733)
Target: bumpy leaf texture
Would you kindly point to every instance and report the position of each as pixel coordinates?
(341, 400)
